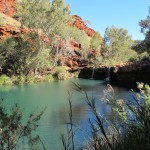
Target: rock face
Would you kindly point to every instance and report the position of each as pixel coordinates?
(79, 23)
(99, 73)
(9, 27)
(130, 74)
(7, 7)
(8, 30)
(125, 76)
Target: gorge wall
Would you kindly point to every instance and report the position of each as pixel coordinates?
(80, 24)
(11, 27)
(7, 7)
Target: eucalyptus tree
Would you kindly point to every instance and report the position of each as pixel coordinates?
(51, 19)
(145, 28)
(59, 19)
(96, 41)
(18, 56)
(96, 45)
(118, 44)
(42, 15)
(145, 24)
(48, 19)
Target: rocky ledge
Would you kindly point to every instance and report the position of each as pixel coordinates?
(80, 24)
(126, 75)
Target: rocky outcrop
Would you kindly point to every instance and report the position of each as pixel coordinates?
(7, 20)
(125, 75)
(7, 7)
(99, 73)
(79, 23)
(10, 27)
(131, 74)
(8, 30)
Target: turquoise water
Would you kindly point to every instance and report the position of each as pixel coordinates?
(54, 96)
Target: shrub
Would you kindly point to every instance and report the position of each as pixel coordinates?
(60, 73)
(19, 80)
(5, 80)
(76, 74)
(48, 78)
(129, 128)
(14, 133)
(30, 79)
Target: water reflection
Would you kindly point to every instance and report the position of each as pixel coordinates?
(79, 114)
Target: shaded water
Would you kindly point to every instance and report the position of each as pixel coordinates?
(54, 96)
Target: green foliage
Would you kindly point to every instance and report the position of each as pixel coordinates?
(96, 41)
(5, 80)
(60, 73)
(80, 36)
(30, 79)
(43, 59)
(127, 128)
(48, 78)
(117, 38)
(117, 46)
(18, 55)
(139, 46)
(144, 46)
(29, 9)
(147, 96)
(141, 57)
(145, 24)
(19, 80)
(13, 133)
(76, 74)
(49, 18)
(5, 19)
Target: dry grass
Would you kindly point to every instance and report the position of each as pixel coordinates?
(6, 20)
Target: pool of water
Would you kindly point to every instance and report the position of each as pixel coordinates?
(54, 96)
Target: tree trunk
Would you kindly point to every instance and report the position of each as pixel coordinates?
(56, 55)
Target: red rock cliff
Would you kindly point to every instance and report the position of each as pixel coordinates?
(7, 7)
(79, 23)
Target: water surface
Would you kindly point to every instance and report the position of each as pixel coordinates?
(54, 96)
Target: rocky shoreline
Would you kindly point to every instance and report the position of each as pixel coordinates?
(126, 75)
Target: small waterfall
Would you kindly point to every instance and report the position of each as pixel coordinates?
(93, 71)
(108, 74)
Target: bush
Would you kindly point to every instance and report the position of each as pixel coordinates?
(60, 73)
(14, 133)
(48, 78)
(5, 80)
(128, 129)
(142, 57)
(30, 79)
(76, 74)
(19, 80)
